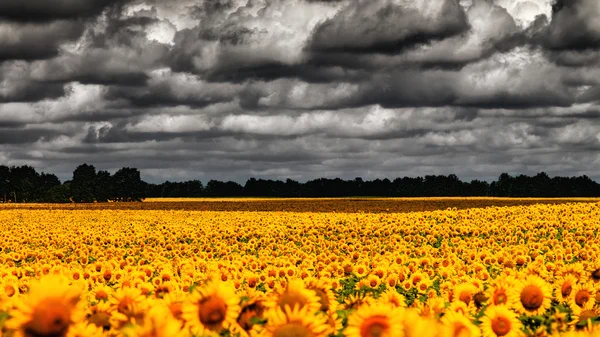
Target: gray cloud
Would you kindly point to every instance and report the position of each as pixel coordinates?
(389, 26)
(229, 89)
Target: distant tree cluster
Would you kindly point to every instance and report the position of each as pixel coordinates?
(25, 184)
(540, 185)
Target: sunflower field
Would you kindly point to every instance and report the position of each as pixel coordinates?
(531, 270)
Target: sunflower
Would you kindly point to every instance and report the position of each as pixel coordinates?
(295, 294)
(51, 308)
(376, 320)
(500, 321)
(464, 292)
(360, 270)
(101, 293)
(297, 322)
(583, 297)
(460, 307)
(128, 306)
(502, 293)
(211, 308)
(457, 325)
(535, 296)
(100, 314)
(391, 296)
(564, 287)
(323, 291)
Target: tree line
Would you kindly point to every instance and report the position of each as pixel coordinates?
(25, 184)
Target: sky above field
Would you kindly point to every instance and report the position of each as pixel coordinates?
(228, 89)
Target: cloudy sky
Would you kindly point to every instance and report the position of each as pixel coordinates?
(228, 89)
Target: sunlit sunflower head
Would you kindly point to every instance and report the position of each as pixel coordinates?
(295, 294)
(457, 325)
(391, 296)
(535, 296)
(464, 292)
(323, 291)
(297, 322)
(563, 287)
(100, 314)
(377, 320)
(100, 293)
(211, 308)
(460, 307)
(500, 321)
(128, 306)
(50, 308)
(502, 293)
(583, 297)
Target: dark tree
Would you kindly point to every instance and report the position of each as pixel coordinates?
(59, 194)
(128, 185)
(104, 189)
(84, 185)
(4, 183)
(23, 183)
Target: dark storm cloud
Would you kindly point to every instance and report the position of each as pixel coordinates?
(229, 89)
(574, 26)
(386, 27)
(11, 135)
(33, 41)
(572, 37)
(50, 10)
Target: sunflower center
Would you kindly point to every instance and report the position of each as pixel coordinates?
(176, 309)
(465, 297)
(596, 274)
(375, 326)
(532, 297)
(9, 290)
(101, 295)
(566, 289)
(582, 297)
(479, 299)
(292, 330)
(501, 326)
(500, 298)
(212, 312)
(51, 318)
(291, 299)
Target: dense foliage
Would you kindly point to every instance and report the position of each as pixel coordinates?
(25, 184)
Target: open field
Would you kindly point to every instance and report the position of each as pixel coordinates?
(107, 270)
(341, 205)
